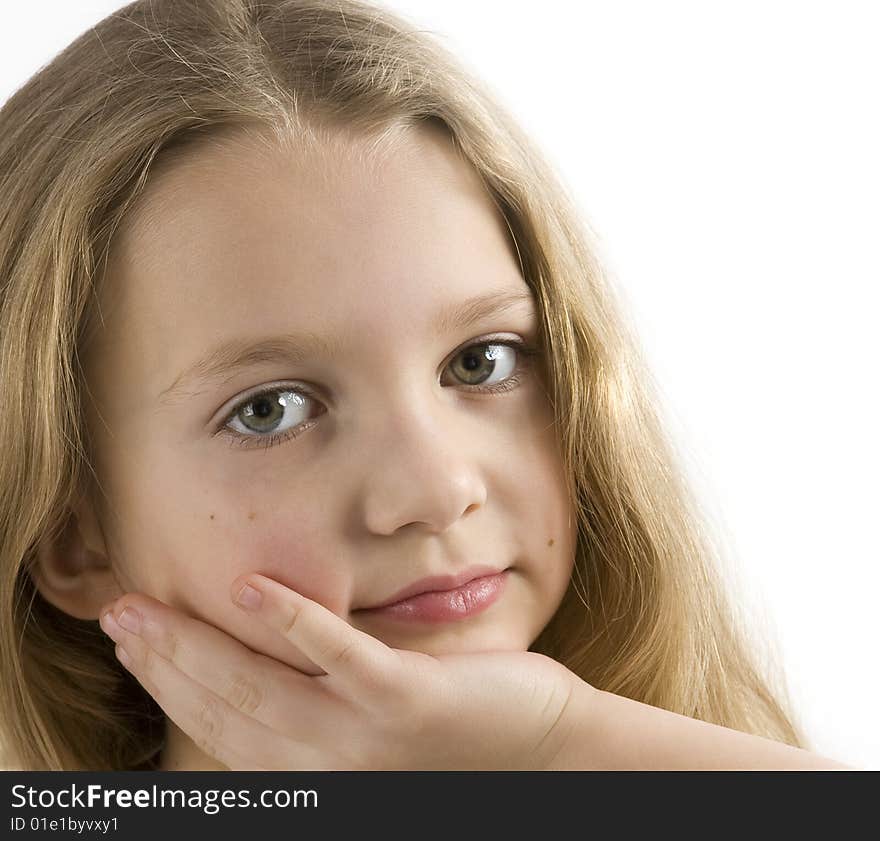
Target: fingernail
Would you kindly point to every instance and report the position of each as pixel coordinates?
(110, 625)
(249, 597)
(130, 619)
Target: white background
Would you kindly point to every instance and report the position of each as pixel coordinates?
(727, 157)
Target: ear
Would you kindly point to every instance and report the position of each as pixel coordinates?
(72, 569)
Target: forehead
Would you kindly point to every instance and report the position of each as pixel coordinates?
(239, 238)
(341, 185)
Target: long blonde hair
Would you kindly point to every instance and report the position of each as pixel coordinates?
(646, 614)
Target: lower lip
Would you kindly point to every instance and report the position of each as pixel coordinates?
(447, 605)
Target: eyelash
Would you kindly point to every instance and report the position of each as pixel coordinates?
(525, 351)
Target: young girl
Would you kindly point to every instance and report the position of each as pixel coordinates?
(316, 397)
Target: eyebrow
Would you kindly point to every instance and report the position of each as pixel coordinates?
(238, 354)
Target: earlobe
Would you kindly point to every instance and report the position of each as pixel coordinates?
(72, 569)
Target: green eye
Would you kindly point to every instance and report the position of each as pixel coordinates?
(261, 414)
(478, 362)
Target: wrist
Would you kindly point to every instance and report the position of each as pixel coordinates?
(604, 731)
(570, 746)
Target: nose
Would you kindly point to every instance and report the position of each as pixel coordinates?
(424, 469)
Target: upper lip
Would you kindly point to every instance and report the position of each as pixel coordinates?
(436, 583)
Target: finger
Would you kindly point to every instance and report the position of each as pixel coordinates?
(354, 660)
(198, 667)
(215, 727)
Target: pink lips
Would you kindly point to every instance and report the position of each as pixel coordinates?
(443, 598)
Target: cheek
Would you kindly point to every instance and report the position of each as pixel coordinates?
(287, 541)
(308, 565)
(262, 538)
(286, 554)
(551, 510)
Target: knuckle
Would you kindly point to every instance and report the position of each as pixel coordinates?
(245, 694)
(209, 721)
(344, 656)
(170, 647)
(148, 660)
(292, 620)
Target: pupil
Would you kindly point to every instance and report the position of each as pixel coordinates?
(471, 362)
(262, 408)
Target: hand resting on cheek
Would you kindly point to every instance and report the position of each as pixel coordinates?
(374, 708)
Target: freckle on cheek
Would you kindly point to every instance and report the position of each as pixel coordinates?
(212, 516)
(550, 542)
(252, 515)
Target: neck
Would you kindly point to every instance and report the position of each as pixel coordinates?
(181, 753)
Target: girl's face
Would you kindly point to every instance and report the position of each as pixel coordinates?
(364, 273)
